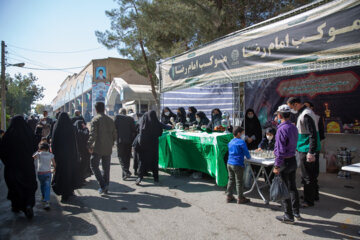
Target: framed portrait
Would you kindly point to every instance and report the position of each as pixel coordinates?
(100, 73)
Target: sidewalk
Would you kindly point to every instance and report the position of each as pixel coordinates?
(182, 208)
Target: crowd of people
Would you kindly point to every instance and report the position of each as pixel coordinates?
(295, 142)
(64, 152)
(191, 118)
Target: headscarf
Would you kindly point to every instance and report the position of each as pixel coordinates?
(150, 130)
(216, 116)
(192, 114)
(203, 117)
(170, 115)
(78, 125)
(271, 130)
(253, 127)
(166, 119)
(19, 134)
(181, 117)
(149, 122)
(82, 137)
(63, 132)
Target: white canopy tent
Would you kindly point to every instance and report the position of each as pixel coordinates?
(120, 92)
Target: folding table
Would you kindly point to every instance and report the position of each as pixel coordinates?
(262, 162)
(352, 168)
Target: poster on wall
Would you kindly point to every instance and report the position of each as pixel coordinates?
(100, 73)
(99, 91)
(335, 95)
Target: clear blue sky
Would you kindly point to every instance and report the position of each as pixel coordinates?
(60, 26)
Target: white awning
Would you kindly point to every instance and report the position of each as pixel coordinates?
(121, 92)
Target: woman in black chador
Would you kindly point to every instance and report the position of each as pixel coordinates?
(82, 137)
(181, 116)
(166, 115)
(64, 148)
(16, 150)
(148, 141)
(253, 130)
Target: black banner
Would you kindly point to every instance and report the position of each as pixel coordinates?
(334, 93)
(333, 31)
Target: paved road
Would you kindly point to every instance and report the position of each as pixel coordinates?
(182, 208)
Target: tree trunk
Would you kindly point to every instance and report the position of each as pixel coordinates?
(152, 83)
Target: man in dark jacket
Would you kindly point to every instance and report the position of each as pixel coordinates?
(320, 123)
(47, 118)
(125, 127)
(100, 143)
(308, 147)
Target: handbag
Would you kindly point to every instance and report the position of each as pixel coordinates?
(278, 190)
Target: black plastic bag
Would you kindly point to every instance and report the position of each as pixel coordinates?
(278, 190)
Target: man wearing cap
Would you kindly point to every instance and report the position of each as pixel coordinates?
(285, 163)
(308, 147)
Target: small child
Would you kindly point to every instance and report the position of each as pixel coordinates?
(235, 166)
(268, 142)
(43, 162)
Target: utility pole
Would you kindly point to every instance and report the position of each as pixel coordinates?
(3, 87)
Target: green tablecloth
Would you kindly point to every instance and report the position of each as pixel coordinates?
(200, 151)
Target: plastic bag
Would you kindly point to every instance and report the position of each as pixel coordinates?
(248, 178)
(278, 190)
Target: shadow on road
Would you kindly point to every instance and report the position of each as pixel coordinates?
(327, 208)
(123, 202)
(114, 186)
(44, 225)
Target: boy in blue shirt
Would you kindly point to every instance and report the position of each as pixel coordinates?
(235, 166)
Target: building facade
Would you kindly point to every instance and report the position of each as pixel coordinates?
(82, 90)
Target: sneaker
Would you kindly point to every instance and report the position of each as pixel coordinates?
(286, 220)
(243, 200)
(138, 181)
(101, 191)
(46, 206)
(125, 177)
(297, 216)
(230, 199)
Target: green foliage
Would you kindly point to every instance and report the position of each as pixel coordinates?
(22, 92)
(127, 35)
(39, 108)
(147, 30)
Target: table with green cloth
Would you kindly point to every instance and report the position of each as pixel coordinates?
(199, 151)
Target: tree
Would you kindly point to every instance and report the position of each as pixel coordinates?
(39, 108)
(22, 93)
(146, 31)
(127, 35)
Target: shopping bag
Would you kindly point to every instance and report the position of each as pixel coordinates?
(248, 178)
(278, 190)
